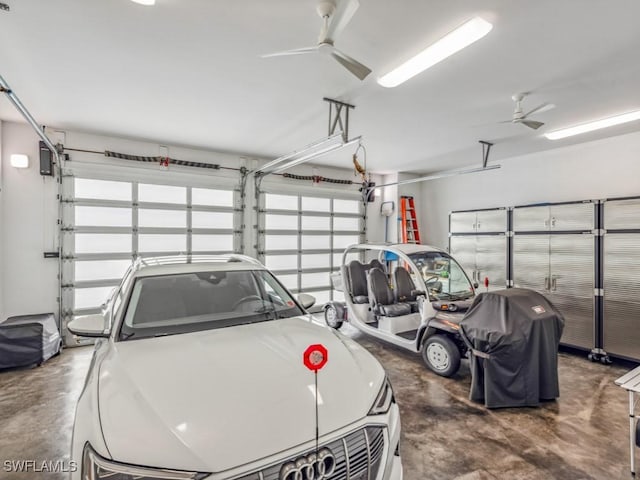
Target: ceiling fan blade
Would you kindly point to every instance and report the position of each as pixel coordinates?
(297, 51)
(540, 108)
(355, 67)
(532, 124)
(345, 9)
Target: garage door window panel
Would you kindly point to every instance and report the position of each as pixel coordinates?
(281, 262)
(212, 197)
(348, 224)
(316, 223)
(316, 242)
(312, 280)
(155, 218)
(318, 260)
(281, 202)
(281, 242)
(148, 243)
(102, 216)
(153, 193)
(102, 243)
(315, 204)
(346, 206)
(281, 222)
(91, 297)
(290, 281)
(341, 242)
(89, 270)
(211, 243)
(216, 220)
(102, 189)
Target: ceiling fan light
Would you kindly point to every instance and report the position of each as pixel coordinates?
(595, 125)
(147, 3)
(453, 42)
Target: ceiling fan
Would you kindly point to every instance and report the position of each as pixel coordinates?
(335, 14)
(520, 117)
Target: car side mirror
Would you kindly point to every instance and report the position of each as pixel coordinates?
(88, 326)
(306, 300)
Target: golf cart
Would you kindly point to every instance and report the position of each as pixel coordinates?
(413, 296)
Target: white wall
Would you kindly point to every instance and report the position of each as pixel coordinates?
(29, 206)
(1, 230)
(29, 215)
(593, 170)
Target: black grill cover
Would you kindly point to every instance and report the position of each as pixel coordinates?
(514, 335)
(28, 340)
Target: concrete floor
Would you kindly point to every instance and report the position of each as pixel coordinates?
(583, 435)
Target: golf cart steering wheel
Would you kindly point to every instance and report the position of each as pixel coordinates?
(430, 278)
(248, 298)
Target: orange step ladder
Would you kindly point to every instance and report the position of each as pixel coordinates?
(410, 230)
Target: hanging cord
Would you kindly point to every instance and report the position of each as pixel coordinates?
(359, 169)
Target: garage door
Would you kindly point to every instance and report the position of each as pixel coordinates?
(302, 237)
(107, 223)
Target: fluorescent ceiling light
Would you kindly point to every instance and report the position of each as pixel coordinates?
(145, 2)
(444, 174)
(591, 126)
(19, 160)
(311, 152)
(461, 37)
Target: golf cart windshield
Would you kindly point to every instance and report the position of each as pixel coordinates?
(443, 277)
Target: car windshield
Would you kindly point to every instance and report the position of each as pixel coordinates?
(443, 277)
(191, 302)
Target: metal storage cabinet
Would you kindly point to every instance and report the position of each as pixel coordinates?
(556, 257)
(567, 217)
(621, 266)
(478, 242)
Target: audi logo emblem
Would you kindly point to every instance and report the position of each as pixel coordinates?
(318, 466)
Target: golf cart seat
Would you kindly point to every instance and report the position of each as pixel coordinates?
(381, 296)
(405, 289)
(357, 282)
(377, 264)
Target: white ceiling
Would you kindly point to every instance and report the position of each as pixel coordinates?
(188, 72)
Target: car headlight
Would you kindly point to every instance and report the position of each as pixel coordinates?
(384, 399)
(94, 467)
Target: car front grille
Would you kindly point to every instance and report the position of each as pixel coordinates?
(358, 456)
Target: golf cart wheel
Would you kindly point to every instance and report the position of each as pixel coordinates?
(441, 355)
(331, 316)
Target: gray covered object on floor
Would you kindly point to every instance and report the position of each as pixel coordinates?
(28, 340)
(514, 335)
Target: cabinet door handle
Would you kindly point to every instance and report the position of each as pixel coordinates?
(478, 226)
(553, 282)
(546, 283)
(546, 223)
(553, 222)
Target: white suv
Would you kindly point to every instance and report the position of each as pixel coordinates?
(199, 374)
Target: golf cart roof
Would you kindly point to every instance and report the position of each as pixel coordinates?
(406, 248)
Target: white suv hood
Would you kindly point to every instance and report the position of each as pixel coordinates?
(215, 400)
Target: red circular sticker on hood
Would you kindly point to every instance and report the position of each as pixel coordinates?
(315, 357)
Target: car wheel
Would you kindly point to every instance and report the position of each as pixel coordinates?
(331, 316)
(441, 355)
